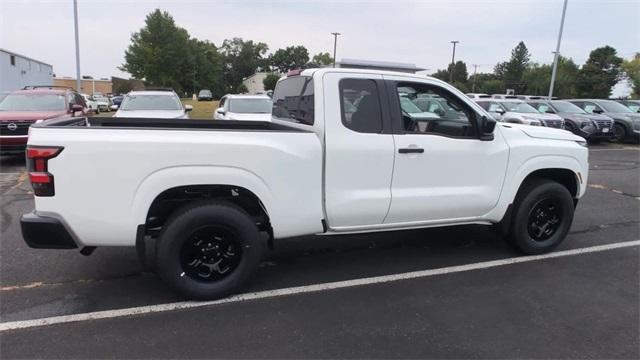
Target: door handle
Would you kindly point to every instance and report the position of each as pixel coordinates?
(411, 150)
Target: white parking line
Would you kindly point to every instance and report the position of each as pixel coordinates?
(108, 314)
(617, 149)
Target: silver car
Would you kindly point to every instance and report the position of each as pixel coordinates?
(517, 111)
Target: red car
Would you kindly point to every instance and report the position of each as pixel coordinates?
(21, 108)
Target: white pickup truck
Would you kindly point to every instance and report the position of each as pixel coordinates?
(203, 200)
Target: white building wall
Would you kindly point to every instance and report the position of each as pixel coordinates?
(254, 82)
(23, 72)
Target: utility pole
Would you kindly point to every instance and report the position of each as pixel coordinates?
(335, 45)
(453, 59)
(557, 52)
(475, 69)
(75, 21)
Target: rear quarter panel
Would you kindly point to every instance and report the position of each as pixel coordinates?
(105, 179)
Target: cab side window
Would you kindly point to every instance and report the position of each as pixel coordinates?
(428, 109)
(360, 105)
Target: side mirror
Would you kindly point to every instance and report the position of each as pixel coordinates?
(75, 108)
(113, 107)
(487, 126)
(500, 111)
(220, 111)
(597, 111)
(549, 111)
(188, 108)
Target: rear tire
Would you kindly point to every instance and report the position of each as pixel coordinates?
(208, 250)
(543, 214)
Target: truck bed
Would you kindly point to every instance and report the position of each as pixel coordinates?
(173, 124)
(111, 169)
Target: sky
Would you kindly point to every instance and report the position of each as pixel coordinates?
(416, 32)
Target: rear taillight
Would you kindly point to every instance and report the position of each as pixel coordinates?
(41, 179)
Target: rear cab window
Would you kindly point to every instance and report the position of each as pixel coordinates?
(293, 100)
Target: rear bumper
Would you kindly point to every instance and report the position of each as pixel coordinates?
(45, 233)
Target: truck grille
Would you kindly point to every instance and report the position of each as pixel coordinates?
(8, 128)
(553, 123)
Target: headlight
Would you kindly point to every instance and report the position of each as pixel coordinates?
(586, 125)
(532, 121)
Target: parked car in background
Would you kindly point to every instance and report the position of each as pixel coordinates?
(102, 102)
(478, 96)
(503, 96)
(205, 95)
(21, 108)
(153, 104)
(91, 104)
(519, 112)
(626, 123)
(207, 198)
(634, 105)
(592, 127)
(531, 97)
(244, 107)
(116, 101)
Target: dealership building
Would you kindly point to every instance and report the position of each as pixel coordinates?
(18, 71)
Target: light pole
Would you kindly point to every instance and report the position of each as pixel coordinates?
(75, 21)
(453, 58)
(475, 69)
(557, 52)
(335, 45)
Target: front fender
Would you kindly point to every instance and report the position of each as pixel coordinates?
(517, 176)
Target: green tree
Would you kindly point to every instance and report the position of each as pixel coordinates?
(460, 74)
(270, 81)
(241, 89)
(511, 72)
(206, 72)
(631, 70)
(441, 74)
(598, 75)
(289, 58)
(490, 86)
(320, 60)
(157, 52)
(537, 78)
(240, 59)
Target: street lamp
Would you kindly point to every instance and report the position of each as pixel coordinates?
(335, 44)
(453, 58)
(557, 52)
(75, 20)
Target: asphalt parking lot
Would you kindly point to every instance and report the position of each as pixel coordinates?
(574, 305)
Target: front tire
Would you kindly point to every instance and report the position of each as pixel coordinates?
(619, 133)
(543, 214)
(208, 250)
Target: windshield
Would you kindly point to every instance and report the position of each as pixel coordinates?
(567, 107)
(33, 102)
(634, 106)
(408, 106)
(151, 102)
(205, 93)
(519, 107)
(250, 106)
(614, 107)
